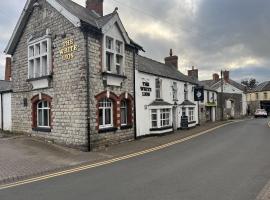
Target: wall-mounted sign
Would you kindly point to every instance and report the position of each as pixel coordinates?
(68, 49)
(146, 89)
(199, 93)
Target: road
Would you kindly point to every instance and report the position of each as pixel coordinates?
(231, 163)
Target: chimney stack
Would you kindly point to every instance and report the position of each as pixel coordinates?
(95, 5)
(172, 60)
(226, 75)
(193, 73)
(8, 69)
(216, 77)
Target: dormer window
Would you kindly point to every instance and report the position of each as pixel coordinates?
(39, 58)
(114, 55)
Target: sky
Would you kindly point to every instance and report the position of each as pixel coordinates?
(211, 35)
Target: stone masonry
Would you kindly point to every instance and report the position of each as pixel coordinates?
(68, 83)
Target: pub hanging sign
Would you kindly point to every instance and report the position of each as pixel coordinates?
(68, 49)
(146, 89)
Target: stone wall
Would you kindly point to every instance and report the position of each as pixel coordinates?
(67, 87)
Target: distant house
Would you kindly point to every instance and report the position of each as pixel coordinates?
(259, 97)
(164, 96)
(232, 102)
(208, 107)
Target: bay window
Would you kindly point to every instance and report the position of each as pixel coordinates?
(160, 118)
(39, 58)
(105, 113)
(191, 114)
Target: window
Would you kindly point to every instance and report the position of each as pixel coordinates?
(43, 114)
(158, 88)
(191, 114)
(109, 58)
(124, 113)
(265, 95)
(164, 117)
(161, 118)
(257, 96)
(114, 55)
(213, 97)
(208, 97)
(186, 91)
(154, 118)
(175, 89)
(39, 58)
(105, 113)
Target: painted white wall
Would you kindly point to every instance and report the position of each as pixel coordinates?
(142, 102)
(6, 111)
(228, 88)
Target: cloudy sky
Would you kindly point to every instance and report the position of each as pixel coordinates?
(208, 34)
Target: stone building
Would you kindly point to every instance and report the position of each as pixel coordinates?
(232, 101)
(73, 74)
(259, 97)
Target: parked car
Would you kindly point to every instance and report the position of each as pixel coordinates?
(260, 113)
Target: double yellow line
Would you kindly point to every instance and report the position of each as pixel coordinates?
(90, 166)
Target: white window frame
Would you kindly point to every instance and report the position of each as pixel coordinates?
(125, 109)
(104, 105)
(43, 109)
(175, 91)
(113, 51)
(191, 116)
(186, 91)
(158, 82)
(35, 71)
(160, 120)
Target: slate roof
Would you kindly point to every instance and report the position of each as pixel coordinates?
(216, 84)
(265, 86)
(160, 103)
(5, 86)
(187, 103)
(150, 66)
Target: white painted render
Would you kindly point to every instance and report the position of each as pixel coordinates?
(6, 112)
(143, 110)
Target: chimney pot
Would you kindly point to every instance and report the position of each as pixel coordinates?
(215, 77)
(226, 76)
(95, 5)
(172, 60)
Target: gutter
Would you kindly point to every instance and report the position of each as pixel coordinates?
(87, 92)
(134, 91)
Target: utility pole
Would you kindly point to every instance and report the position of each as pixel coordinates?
(221, 97)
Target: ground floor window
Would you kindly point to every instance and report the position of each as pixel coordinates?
(105, 113)
(43, 114)
(191, 114)
(160, 118)
(124, 113)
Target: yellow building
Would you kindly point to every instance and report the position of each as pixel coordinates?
(259, 98)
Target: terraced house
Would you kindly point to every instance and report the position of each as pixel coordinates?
(73, 74)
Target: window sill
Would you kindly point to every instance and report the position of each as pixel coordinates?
(106, 130)
(193, 122)
(39, 78)
(161, 129)
(45, 130)
(124, 127)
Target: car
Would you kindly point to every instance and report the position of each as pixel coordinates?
(260, 113)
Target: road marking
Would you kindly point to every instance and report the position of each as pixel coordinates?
(85, 167)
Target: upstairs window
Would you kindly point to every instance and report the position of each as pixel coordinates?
(186, 91)
(175, 90)
(265, 95)
(208, 96)
(158, 88)
(114, 55)
(39, 58)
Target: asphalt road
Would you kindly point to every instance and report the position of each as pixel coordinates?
(231, 163)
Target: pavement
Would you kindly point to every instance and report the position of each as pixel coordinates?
(229, 163)
(23, 157)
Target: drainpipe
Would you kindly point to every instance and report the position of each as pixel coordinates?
(87, 92)
(134, 92)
